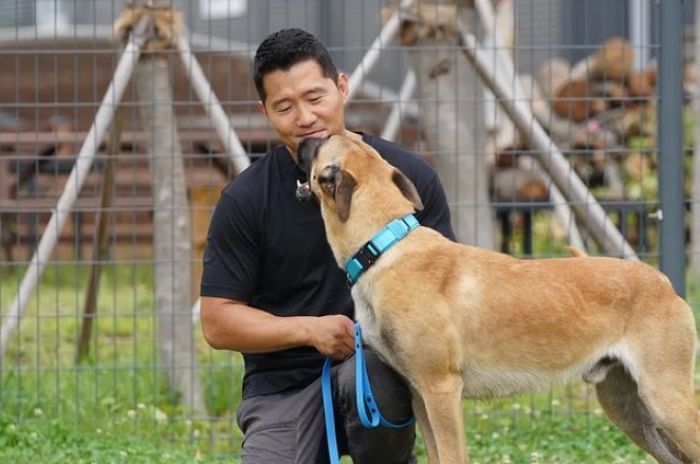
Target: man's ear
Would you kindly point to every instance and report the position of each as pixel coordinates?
(343, 86)
(345, 185)
(261, 108)
(407, 189)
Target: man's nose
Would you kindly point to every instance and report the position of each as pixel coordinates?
(306, 116)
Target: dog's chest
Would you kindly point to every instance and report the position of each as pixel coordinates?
(371, 329)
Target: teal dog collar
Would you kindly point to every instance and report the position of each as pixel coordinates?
(382, 241)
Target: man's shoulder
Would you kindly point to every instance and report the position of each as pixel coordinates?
(408, 162)
(254, 179)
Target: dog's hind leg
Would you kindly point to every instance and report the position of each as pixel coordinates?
(424, 425)
(619, 397)
(442, 398)
(665, 361)
(671, 402)
(672, 405)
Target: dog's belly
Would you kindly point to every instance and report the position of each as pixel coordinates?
(490, 382)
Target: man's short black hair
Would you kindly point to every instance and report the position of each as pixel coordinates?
(283, 49)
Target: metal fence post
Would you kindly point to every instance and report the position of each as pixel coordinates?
(670, 139)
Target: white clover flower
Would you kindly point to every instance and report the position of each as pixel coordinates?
(141, 406)
(159, 416)
(131, 414)
(38, 412)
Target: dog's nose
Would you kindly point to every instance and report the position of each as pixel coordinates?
(308, 148)
(303, 192)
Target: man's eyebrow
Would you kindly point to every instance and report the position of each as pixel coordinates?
(317, 89)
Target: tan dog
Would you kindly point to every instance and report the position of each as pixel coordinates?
(457, 320)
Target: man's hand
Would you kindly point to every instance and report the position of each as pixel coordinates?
(332, 336)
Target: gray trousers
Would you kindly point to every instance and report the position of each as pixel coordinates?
(289, 427)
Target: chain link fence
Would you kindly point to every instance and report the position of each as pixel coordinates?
(112, 157)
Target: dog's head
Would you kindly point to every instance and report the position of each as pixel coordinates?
(340, 169)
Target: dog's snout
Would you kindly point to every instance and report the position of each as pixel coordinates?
(303, 192)
(307, 151)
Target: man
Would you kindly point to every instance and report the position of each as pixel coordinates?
(272, 290)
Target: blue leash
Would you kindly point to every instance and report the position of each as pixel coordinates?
(369, 413)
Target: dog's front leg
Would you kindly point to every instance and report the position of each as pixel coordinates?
(424, 426)
(442, 399)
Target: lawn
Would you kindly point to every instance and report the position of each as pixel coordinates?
(116, 408)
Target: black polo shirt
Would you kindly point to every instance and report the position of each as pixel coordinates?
(269, 250)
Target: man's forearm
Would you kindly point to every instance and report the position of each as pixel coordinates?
(233, 325)
(236, 326)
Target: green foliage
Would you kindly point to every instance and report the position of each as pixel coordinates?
(115, 407)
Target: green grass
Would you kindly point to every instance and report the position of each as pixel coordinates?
(116, 407)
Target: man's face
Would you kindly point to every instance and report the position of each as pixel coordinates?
(301, 102)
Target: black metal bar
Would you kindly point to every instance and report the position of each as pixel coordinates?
(670, 130)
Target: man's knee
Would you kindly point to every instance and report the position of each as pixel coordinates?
(390, 390)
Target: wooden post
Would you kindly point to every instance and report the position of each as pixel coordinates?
(452, 115)
(100, 251)
(171, 218)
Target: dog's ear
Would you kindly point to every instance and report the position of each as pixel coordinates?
(345, 185)
(407, 189)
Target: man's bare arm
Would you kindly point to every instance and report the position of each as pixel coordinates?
(233, 325)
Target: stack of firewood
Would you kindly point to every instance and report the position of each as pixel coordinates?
(601, 100)
(598, 111)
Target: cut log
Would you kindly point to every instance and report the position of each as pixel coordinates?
(515, 184)
(563, 131)
(640, 84)
(613, 61)
(551, 75)
(627, 122)
(570, 98)
(577, 101)
(614, 94)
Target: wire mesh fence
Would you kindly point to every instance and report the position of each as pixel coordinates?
(83, 342)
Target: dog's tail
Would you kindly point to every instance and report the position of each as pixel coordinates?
(576, 252)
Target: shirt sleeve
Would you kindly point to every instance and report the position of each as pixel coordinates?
(435, 213)
(232, 257)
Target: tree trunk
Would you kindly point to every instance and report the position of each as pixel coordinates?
(172, 239)
(695, 225)
(452, 115)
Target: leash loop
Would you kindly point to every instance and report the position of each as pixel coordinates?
(370, 415)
